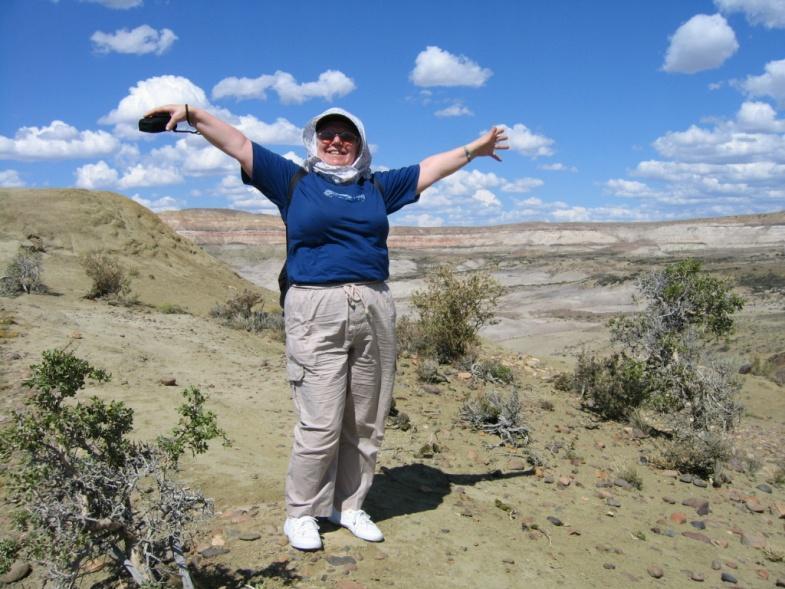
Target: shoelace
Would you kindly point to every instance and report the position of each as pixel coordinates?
(305, 521)
(360, 518)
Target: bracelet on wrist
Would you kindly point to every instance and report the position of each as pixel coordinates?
(468, 153)
(188, 116)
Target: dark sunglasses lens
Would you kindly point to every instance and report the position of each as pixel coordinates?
(345, 136)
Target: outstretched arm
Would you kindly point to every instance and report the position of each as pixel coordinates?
(225, 137)
(441, 165)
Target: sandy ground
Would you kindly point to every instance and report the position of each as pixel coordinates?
(474, 514)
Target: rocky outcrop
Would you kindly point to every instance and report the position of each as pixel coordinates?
(224, 227)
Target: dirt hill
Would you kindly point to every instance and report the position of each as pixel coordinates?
(164, 267)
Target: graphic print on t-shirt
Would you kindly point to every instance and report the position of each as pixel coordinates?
(347, 197)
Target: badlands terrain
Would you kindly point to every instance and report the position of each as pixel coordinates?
(469, 512)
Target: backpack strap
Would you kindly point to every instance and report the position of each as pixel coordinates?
(283, 276)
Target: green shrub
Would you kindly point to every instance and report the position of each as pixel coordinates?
(489, 370)
(85, 490)
(8, 551)
(613, 386)
(23, 274)
(172, 309)
(241, 312)
(451, 310)
(109, 277)
(492, 413)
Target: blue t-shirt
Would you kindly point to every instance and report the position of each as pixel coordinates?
(337, 232)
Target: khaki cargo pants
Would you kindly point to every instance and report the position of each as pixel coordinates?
(340, 348)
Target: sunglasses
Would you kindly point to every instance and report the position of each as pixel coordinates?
(344, 136)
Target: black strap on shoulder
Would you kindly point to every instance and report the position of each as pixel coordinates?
(293, 183)
(283, 276)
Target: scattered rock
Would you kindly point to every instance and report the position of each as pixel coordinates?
(516, 464)
(213, 551)
(608, 566)
(622, 483)
(336, 560)
(765, 488)
(698, 524)
(780, 582)
(549, 480)
(678, 517)
(432, 388)
(670, 500)
(565, 481)
(697, 536)
(697, 577)
(754, 505)
(754, 539)
(716, 565)
(554, 520)
(18, 571)
(612, 502)
(728, 578)
(699, 482)
(249, 536)
(168, 381)
(655, 571)
(778, 509)
(762, 574)
(685, 478)
(701, 506)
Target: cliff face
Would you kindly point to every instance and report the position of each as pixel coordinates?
(225, 227)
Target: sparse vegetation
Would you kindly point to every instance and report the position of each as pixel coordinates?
(85, 490)
(172, 309)
(244, 311)
(762, 283)
(631, 476)
(110, 280)
(663, 364)
(8, 551)
(492, 413)
(428, 371)
(489, 370)
(23, 274)
(450, 312)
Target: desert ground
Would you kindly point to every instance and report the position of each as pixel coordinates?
(471, 513)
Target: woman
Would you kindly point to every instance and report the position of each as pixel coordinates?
(340, 315)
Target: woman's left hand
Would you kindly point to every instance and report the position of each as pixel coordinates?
(489, 143)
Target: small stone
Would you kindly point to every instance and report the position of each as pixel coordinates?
(765, 488)
(685, 478)
(336, 560)
(697, 536)
(612, 502)
(754, 505)
(213, 551)
(565, 481)
(249, 536)
(655, 571)
(670, 532)
(701, 506)
(778, 509)
(699, 482)
(697, 577)
(18, 571)
(698, 524)
(554, 520)
(516, 464)
(762, 574)
(754, 539)
(780, 582)
(716, 565)
(728, 578)
(678, 517)
(608, 566)
(168, 381)
(670, 500)
(549, 480)
(622, 483)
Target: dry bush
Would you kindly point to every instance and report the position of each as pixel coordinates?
(110, 280)
(23, 274)
(488, 370)
(244, 311)
(630, 475)
(428, 371)
(492, 413)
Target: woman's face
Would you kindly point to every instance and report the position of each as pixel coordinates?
(334, 146)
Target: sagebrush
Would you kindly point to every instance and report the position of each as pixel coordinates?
(110, 279)
(23, 274)
(245, 311)
(493, 413)
(86, 490)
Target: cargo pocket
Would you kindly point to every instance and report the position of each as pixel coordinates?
(294, 371)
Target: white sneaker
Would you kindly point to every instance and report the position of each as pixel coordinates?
(303, 532)
(358, 523)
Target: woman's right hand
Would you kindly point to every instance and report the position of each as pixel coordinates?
(176, 112)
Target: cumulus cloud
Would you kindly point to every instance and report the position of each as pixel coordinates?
(117, 4)
(165, 203)
(422, 220)
(558, 167)
(771, 83)
(436, 67)
(632, 188)
(330, 85)
(143, 39)
(281, 132)
(149, 175)
(486, 198)
(769, 13)
(702, 43)
(521, 184)
(98, 175)
(58, 140)
(524, 141)
(10, 179)
(456, 110)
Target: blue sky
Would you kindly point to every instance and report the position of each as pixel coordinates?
(617, 110)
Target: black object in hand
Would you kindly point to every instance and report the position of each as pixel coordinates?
(154, 123)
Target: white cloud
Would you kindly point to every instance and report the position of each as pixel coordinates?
(422, 220)
(769, 13)
(558, 167)
(330, 85)
(281, 132)
(571, 214)
(436, 67)
(10, 179)
(117, 4)
(56, 141)
(771, 83)
(487, 198)
(633, 188)
(702, 43)
(143, 39)
(141, 175)
(521, 185)
(98, 175)
(759, 116)
(165, 203)
(456, 110)
(522, 140)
